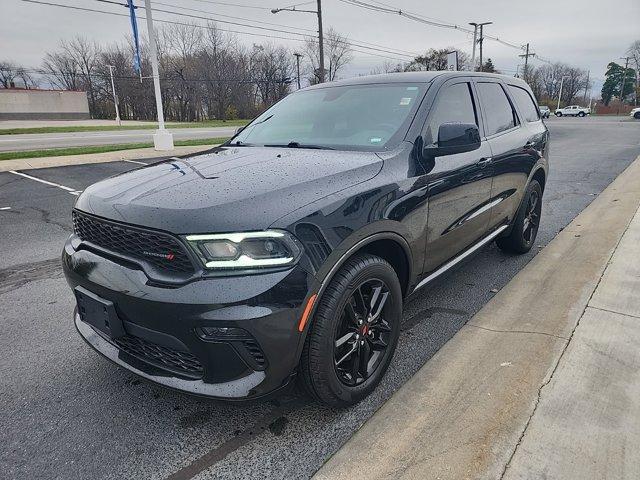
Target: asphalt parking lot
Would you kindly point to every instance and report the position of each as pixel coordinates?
(67, 413)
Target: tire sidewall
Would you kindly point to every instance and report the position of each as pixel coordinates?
(524, 245)
(334, 306)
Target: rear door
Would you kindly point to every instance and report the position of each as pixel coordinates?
(511, 144)
(459, 185)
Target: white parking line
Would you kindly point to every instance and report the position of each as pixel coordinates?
(72, 191)
(5, 208)
(134, 161)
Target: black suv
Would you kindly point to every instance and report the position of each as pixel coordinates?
(289, 249)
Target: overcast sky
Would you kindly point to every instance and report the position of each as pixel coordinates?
(585, 33)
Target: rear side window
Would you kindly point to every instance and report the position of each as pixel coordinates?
(525, 103)
(497, 108)
(453, 105)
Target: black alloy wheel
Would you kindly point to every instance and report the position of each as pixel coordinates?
(525, 225)
(531, 221)
(636, 115)
(353, 333)
(363, 333)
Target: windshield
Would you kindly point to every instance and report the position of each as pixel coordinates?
(351, 117)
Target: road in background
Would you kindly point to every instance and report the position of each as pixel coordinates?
(39, 141)
(67, 413)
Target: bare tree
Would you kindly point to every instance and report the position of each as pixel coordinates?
(10, 72)
(337, 51)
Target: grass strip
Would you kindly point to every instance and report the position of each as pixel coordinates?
(104, 128)
(55, 152)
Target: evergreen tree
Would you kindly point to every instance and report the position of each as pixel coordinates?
(613, 82)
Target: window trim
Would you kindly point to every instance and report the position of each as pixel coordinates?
(516, 118)
(535, 104)
(434, 103)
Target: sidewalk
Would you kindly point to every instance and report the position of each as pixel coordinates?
(544, 382)
(119, 155)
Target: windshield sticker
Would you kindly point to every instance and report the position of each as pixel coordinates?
(375, 140)
(412, 88)
(405, 100)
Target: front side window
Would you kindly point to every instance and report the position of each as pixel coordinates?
(353, 117)
(497, 108)
(525, 103)
(454, 104)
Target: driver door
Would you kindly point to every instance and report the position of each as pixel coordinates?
(459, 185)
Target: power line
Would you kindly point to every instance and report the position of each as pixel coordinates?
(172, 22)
(389, 9)
(363, 43)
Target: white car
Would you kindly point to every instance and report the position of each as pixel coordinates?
(573, 111)
(635, 113)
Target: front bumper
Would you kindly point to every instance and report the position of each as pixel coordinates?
(163, 339)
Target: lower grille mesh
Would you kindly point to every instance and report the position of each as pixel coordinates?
(167, 358)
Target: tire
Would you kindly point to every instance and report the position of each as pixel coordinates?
(558, 114)
(326, 366)
(525, 227)
(581, 114)
(636, 115)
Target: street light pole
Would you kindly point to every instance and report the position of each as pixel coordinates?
(298, 55)
(480, 40)
(318, 12)
(475, 40)
(115, 97)
(162, 139)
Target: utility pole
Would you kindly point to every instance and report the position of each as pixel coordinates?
(560, 94)
(162, 139)
(586, 89)
(318, 12)
(475, 40)
(321, 40)
(526, 56)
(298, 55)
(481, 39)
(115, 97)
(624, 77)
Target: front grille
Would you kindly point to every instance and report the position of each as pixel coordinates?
(158, 249)
(182, 363)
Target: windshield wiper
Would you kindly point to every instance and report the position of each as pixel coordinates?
(300, 145)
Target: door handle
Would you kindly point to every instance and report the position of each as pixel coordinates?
(483, 162)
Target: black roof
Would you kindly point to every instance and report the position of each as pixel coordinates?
(415, 77)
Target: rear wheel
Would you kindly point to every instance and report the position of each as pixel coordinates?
(525, 227)
(354, 332)
(636, 115)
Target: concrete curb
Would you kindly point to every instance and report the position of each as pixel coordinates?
(115, 156)
(464, 412)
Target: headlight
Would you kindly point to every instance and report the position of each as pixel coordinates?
(246, 250)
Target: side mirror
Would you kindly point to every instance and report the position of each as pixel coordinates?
(239, 129)
(454, 138)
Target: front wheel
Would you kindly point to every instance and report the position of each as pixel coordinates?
(525, 227)
(354, 332)
(636, 115)
(558, 114)
(581, 114)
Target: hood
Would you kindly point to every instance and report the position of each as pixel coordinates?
(226, 189)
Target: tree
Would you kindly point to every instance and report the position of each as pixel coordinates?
(10, 72)
(613, 82)
(488, 67)
(337, 53)
(436, 60)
